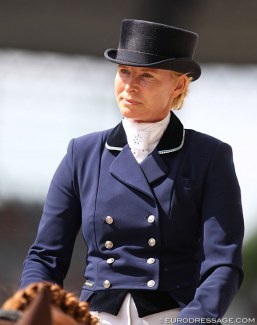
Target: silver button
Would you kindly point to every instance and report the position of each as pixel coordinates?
(151, 260)
(151, 283)
(109, 220)
(110, 260)
(108, 244)
(106, 284)
(151, 218)
(151, 242)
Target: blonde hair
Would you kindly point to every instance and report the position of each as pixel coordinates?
(179, 100)
(60, 298)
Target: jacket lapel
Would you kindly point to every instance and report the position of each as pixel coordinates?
(126, 169)
(155, 175)
(153, 167)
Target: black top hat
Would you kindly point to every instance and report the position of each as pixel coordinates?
(148, 44)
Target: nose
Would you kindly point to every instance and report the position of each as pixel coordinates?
(131, 84)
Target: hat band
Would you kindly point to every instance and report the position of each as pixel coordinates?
(138, 57)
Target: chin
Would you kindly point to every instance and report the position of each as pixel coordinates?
(127, 113)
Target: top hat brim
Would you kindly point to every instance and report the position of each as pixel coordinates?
(138, 59)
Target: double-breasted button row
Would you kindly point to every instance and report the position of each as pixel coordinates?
(107, 284)
(110, 219)
(151, 241)
(108, 244)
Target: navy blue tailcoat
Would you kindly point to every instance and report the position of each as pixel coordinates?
(172, 223)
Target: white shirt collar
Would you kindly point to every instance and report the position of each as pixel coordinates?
(143, 137)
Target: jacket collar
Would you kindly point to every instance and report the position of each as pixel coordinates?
(172, 139)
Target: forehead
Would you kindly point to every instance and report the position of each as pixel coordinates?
(161, 72)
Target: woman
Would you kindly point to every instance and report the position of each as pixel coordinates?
(159, 205)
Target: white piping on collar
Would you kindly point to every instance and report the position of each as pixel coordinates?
(161, 152)
(112, 148)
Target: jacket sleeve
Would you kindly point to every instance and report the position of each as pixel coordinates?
(222, 229)
(49, 256)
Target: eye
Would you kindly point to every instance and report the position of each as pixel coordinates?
(124, 71)
(147, 75)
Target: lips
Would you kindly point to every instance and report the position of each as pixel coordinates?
(127, 101)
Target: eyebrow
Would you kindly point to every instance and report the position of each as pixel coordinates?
(143, 69)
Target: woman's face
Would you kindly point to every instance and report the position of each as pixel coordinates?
(146, 94)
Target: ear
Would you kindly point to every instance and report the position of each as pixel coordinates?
(180, 85)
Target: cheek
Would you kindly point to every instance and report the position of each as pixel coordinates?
(161, 95)
(169, 93)
(164, 99)
(118, 87)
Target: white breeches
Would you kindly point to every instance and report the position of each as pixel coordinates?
(128, 315)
